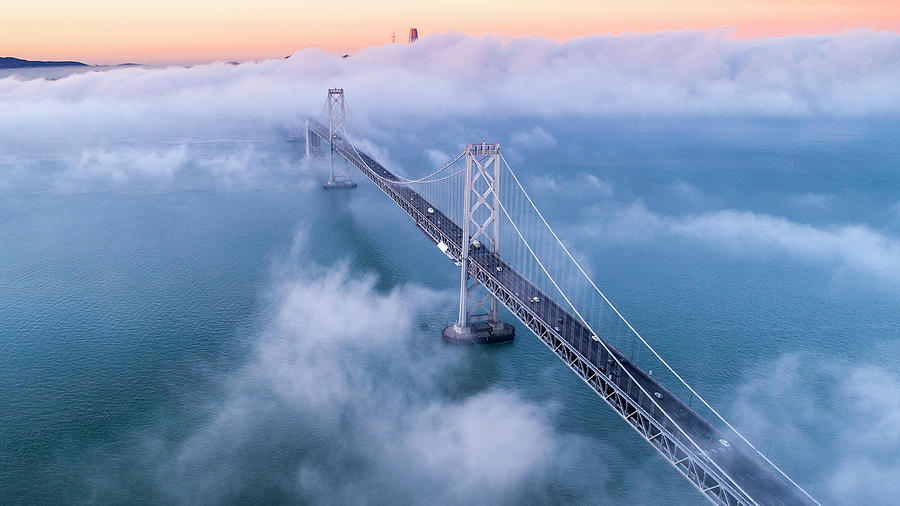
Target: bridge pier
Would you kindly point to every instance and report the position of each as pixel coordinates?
(479, 333)
(336, 185)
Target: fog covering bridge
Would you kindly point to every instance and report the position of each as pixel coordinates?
(482, 218)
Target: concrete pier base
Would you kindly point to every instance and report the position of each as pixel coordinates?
(336, 185)
(480, 333)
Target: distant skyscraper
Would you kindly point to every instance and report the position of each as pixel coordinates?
(413, 35)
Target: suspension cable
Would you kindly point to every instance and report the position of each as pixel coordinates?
(611, 354)
(407, 181)
(636, 333)
(402, 179)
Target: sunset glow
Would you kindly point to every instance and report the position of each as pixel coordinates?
(167, 31)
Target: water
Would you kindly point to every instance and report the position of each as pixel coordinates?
(156, 343)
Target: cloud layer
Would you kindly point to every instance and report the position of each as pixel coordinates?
(859, 248)
(86, 116)
(451, 75)
(354, 410)
(850, 452)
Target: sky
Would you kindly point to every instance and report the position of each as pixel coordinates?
(170, 31)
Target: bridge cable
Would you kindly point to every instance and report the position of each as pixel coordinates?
(613, 355)
(401, 179)
(636, 333)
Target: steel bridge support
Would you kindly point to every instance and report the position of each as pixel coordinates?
(337, 128)
(478, 321)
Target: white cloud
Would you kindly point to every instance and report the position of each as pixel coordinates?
(857, 247)
(533, 138)
(839, 428)
(687, 193)
(688, 72)
(162, 166)
(581, 182)
(389, 88)
(437, 159)
(598, 185)
(343, 400)
(814, 201)
(123, 167)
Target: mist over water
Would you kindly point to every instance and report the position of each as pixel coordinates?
(186, 317)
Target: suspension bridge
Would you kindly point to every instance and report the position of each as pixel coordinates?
(469, 212)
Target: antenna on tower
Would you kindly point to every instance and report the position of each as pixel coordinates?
(393, 37)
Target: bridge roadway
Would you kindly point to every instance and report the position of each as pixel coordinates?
(762, 484)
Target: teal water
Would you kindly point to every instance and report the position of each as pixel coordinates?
(175, 343)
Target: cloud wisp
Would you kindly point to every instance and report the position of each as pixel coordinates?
(856, 247)
(840, 425)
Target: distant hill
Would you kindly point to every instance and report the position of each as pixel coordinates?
(17, 63)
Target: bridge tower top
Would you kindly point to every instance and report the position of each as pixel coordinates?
(483, 149)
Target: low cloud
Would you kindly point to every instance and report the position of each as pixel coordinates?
(534, 138)
(438, 158)
(813, 201)
(852, 246)
(357, 410)
(582, 183)
(227, 165)
(840, 427)
(390, 88)
(668, 73)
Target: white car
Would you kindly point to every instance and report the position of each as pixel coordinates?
(658, 395)
(556, 329)
(724, 443)
(499, 268)
(430, 210)
(595, 338)
(535, 299)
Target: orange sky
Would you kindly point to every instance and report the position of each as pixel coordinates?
(186, 31)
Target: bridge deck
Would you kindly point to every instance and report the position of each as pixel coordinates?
(752, 475)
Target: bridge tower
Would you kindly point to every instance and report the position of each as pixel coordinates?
(337, 133)
(478, 321)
